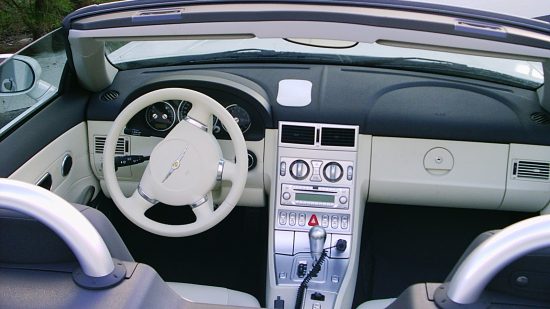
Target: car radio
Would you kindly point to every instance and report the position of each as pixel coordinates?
(314, 196)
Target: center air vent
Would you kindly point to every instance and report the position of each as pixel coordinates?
(304, 135)
(338, 137)
(121, 145)
(533, 170)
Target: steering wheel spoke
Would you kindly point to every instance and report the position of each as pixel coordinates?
(229, 171)
(204, 208)
(200, 117)
(140, 201)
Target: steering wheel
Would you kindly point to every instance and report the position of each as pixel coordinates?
(183, 168)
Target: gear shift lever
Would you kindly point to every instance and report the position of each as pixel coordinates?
(317, 236)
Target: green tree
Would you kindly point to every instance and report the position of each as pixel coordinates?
(37, 16)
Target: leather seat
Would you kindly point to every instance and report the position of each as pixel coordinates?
(376, 304)
(17, 229)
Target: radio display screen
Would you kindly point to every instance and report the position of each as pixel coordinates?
(315, 197)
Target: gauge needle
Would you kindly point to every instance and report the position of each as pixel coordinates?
(176, 164)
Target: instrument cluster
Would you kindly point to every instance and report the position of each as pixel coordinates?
(164, 115)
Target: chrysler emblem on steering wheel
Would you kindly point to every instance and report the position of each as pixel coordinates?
(176, 164)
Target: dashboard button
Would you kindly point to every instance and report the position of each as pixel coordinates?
(299, 169)
(345, 222)
(286, 196)
(282, 168)
(282, 218)
(343, 200)
(333, 172)
(324, 221)
(313, 220)
(349, 175)
(302, 219)
(316, 178)
(334, 222)
(292, 219)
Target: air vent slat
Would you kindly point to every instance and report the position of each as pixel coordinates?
(532, 170)
(304, 135)
(99, 145)
(110, 95)
(540, 118)
(338, 137)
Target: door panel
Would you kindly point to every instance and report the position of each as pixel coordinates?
(79, 184)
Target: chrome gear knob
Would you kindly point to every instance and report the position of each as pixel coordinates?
(317, 237)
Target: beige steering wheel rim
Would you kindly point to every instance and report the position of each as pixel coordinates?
(143, 198)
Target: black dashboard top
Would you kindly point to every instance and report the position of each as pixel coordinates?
(382, 102)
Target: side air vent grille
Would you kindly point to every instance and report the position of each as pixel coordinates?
(532, 170)
(121, 145)
(338, 137)
(304, 135)
(540, 118)
(109, 95)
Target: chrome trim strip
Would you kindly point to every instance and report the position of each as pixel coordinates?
(219, 173)
(145, 196)
(196, 123)
(201, 201)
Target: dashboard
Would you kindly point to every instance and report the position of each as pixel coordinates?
(485, 133)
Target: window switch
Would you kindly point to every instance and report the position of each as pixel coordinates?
(302, 270)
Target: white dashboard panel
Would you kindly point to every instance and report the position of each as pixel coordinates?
(438, 173)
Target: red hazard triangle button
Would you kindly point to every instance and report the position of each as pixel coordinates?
(313, 221)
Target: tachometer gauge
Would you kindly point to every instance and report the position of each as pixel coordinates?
(241, 117)
(160, 116)
(184, 108)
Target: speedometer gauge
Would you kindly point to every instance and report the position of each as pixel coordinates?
(184, 108)
(160, 116)
(242, 118)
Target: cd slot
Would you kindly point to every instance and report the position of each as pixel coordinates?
(315, 191)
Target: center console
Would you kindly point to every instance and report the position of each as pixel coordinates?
(315, 186)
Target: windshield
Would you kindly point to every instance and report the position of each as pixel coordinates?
(140, 54)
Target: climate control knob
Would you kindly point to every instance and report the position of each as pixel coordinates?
(299, 169)
(333, 171)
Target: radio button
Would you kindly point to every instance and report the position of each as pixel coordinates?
(302, 219)
(292, 219)
(334, 222)
(286, 196)
(343, 200)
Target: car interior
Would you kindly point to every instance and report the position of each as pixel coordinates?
(294, 154)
